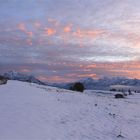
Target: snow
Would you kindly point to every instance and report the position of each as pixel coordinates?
(125, 87)
(30, 111)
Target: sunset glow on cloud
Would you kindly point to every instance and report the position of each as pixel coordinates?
(69, 40)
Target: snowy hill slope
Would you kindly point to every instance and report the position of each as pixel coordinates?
(30, 111)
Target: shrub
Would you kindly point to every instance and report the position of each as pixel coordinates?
(3, 80)
(113, 89)
(78, 87)
(129, 91)
(119, 96)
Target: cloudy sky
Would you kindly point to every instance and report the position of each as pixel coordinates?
(66, 40)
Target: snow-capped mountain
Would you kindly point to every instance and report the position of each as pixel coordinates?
(37, 112)
(106, 82)
(103, 83)
(89, 83)
(13, 75)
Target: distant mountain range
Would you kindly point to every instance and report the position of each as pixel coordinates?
(88, 83)
(13, 75)
(101, 84)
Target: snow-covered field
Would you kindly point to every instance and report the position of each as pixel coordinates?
(29, 111)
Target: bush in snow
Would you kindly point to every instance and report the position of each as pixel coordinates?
(119, 96)
(113, 89)
(129, 91)
(3, 80)
(78, 87)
